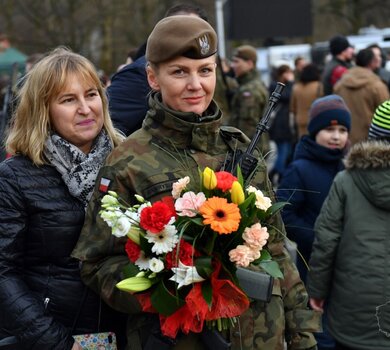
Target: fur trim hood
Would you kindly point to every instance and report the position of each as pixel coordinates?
(368, 164)
(369, 154)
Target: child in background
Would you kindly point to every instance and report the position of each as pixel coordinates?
(350, 259)
(306, 182)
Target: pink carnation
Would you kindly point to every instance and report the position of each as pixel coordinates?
(242, 255)
(189, 204)
(255, 236)
(179, 186)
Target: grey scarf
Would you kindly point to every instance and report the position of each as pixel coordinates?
(78, 170)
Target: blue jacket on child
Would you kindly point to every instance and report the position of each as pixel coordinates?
(305, 185)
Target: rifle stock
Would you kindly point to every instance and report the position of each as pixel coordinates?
(246, 160)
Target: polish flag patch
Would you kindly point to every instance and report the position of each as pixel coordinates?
(104, 183)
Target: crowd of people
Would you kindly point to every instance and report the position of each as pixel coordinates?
(176, 107)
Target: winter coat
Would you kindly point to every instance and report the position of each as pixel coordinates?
(362, 91)
(305, 185)
(127, 96)
(333, 71)
(41, 290)
(350, 261)
(281, 129)
(302, 97)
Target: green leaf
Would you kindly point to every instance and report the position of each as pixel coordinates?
(265, 255)
(204, 267)
(272, 268)
(164, 301)
(146, 247)
(207, 292)
(240, 178)
(276, 207)
(210, 242)
(197, 221)
(249, 201)
(130, 270)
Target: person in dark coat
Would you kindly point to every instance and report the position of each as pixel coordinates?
(282, 125)
(349, 266)
(307, 180)
(61, 134)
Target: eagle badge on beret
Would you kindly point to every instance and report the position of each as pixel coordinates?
(204, 45)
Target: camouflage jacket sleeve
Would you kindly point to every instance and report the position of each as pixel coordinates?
(102, 254)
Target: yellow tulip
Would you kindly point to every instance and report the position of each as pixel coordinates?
(134, 284)
(237, 193)
(209, 179)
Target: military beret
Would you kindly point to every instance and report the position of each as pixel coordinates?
(246, 52)
(175, 36)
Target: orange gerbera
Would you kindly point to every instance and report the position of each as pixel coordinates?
(223, 217)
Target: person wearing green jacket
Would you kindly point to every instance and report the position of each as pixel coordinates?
(349, 265)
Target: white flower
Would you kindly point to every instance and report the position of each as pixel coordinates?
(185, 275)
(179, 186)
(142, 262)
(165, 240)
(110, 200)
(156, 265)
(111, 216)
(134, 216)
(262, 202)
(121, 227)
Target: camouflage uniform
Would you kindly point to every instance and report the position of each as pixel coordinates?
(224, 92)
(248, 105)
(169, 146)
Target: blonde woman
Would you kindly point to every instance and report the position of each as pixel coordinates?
(61, 134)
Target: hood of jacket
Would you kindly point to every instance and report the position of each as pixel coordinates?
(357, 77)
(368, 162)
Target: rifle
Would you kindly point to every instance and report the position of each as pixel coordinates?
(246, 160)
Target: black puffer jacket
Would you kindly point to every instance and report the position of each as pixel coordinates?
(40, 286)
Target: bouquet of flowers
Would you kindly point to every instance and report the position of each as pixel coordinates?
(184, 250)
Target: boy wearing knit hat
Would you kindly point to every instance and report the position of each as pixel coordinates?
(307, 180)
(350, 257)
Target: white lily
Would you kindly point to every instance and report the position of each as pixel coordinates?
(185, 275)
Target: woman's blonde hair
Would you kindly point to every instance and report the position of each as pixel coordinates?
(30, 125)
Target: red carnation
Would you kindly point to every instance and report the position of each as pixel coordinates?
(224, 180)
(186, 255)
(155, 218)
(169, 201)
(133, 250)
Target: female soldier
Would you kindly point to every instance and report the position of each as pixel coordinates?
(180, 134)
(61, 134)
